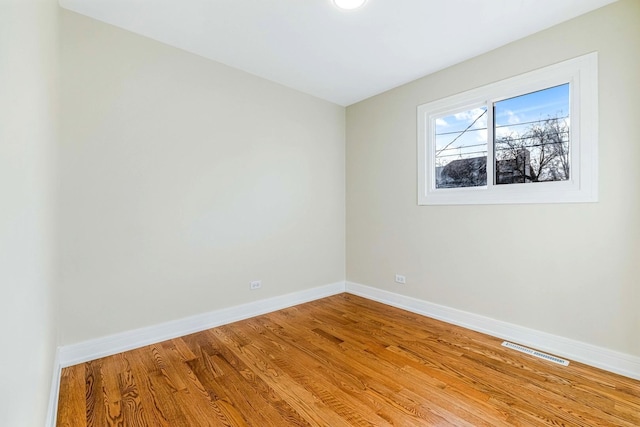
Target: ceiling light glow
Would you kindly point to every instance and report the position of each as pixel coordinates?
(349, 4)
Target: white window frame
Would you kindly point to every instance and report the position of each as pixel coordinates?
(582, 75)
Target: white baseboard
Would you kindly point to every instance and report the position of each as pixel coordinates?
(52, 410)
(105, 346)
(599, 357)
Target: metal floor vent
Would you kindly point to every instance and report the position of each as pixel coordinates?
(535, 353)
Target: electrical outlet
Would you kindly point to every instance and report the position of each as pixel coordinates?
(256, 284)
(401, 279)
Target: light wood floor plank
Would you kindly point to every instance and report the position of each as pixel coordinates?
(340, 361)
(72, 386)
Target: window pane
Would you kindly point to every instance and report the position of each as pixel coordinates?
(531, 136)
(461, 149)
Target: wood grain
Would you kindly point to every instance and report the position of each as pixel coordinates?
(340, 361)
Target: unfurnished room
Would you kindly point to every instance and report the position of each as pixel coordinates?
(319, 213)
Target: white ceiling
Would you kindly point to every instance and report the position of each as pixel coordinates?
(343, 57)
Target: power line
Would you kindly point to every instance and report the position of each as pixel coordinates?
(530, 146)
(500, 141)
(462, 154)
(503, 126)
(468, 127)
(463, 146)
(459, 131)
(534, 121)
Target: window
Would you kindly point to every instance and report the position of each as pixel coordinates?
(527, 139)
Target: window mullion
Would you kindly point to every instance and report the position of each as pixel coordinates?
(490, 146)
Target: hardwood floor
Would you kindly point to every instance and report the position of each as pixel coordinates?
(340, 361)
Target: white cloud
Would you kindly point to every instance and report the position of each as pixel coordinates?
(440, 122)
(513, 118)
(501, 132)
(471, 115)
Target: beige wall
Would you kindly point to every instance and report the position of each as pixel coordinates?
(567, 269)
(182, 180)
(28, 120)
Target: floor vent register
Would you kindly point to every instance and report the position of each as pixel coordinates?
(535, 353)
